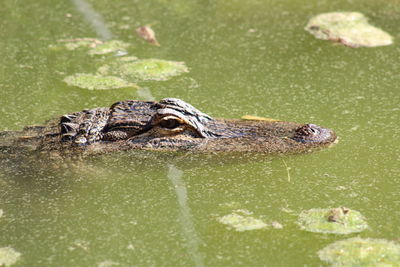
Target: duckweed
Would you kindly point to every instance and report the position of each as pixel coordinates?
(76, 43)
(145, 69)
(361, 252)
(107, 263)
(96, 82)
(123, 70)
(109, 47)
(127, 59)
(242, 222)
(8, 256)
(348, 28)
(333, 221)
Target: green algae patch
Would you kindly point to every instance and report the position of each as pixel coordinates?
(242, 223)
(97, 82)
(145, 69)
(127, 59)
(94, 46)
(361, 252)
(109, 47)
(8, 256)
(107, 263)
(276, 225)
(332, 221)
(76, 43)
(348, 28)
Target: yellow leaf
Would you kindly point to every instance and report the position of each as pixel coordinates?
(257, 118)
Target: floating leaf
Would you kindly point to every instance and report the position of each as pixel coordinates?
(256, 118)
(8, 256)
(109, 47)
(97, 82)
(242, 223)
(145, 69)
(333, 221)
(147, 33)
(348, 28)
(361, 252)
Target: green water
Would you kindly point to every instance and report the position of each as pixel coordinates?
(160, 209)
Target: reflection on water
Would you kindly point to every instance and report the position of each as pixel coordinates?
(185, 218)
(94, 18)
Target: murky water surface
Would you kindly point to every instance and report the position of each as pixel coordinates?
(163, 209)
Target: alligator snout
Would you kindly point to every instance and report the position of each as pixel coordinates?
(311, 133)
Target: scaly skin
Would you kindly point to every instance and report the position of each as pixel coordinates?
(168, 125)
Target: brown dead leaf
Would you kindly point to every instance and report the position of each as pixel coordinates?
(147, 33)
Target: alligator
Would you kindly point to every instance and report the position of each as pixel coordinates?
(167, 125)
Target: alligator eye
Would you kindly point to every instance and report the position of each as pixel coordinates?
(169, 123)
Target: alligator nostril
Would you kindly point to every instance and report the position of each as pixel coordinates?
(307, 130)
(311, 133)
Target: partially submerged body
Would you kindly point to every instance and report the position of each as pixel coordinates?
(168, 125)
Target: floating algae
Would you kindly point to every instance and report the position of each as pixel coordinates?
(145, 69)
(126, 59)
(111, 46)
(333, 221)
(361, 252)
(95, 46)
(242, 222)
(348, 28)
(230, 205)
(8, 256)
(107, 263)
(97, 82)
(76, 43)
(121, 71)
(276, 225)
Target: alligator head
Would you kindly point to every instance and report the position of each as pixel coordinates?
(172, 124)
